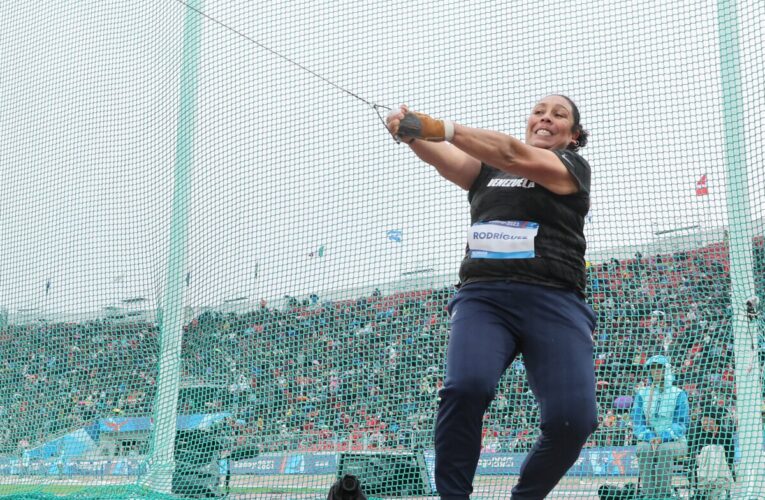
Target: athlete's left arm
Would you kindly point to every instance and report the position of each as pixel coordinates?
(507, 153)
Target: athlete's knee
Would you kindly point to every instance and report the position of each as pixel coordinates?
(571, 427)
(576, 430)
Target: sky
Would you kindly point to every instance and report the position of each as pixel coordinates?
(286, 159)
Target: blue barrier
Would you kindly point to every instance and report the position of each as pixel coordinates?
(592, 462)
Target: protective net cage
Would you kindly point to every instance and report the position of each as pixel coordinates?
(220, 275)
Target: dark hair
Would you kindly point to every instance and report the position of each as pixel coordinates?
(713, 411)
(576, 128)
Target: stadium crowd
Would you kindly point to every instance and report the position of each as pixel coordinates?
(365, 373)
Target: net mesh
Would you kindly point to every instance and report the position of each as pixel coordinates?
(220, 275)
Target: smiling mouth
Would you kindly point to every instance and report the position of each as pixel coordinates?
(543, 132)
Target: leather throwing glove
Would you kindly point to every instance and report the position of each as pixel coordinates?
(427, 128)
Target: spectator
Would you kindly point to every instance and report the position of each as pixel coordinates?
(660, 420)
(710, 452)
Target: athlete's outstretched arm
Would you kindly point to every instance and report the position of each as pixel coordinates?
(454, 165)
(507, 153)
(499, 150)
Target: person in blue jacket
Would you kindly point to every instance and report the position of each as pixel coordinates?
(660, 419)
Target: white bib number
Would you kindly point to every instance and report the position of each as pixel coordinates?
(502, 239)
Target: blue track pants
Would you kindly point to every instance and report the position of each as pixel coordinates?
(491, 323)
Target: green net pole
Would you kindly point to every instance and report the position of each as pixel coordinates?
(748, 390)
(161, 458)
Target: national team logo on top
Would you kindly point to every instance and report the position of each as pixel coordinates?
(513, 183)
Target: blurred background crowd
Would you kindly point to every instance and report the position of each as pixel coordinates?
(365, 373)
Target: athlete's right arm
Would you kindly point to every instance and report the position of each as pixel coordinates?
(454, 165)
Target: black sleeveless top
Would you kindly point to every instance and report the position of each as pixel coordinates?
(520, 231)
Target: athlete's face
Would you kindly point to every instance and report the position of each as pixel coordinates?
(549, 125)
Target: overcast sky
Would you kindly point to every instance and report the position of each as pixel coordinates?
(285, 162)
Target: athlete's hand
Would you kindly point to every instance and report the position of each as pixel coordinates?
(393, 121)
(410, 125)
